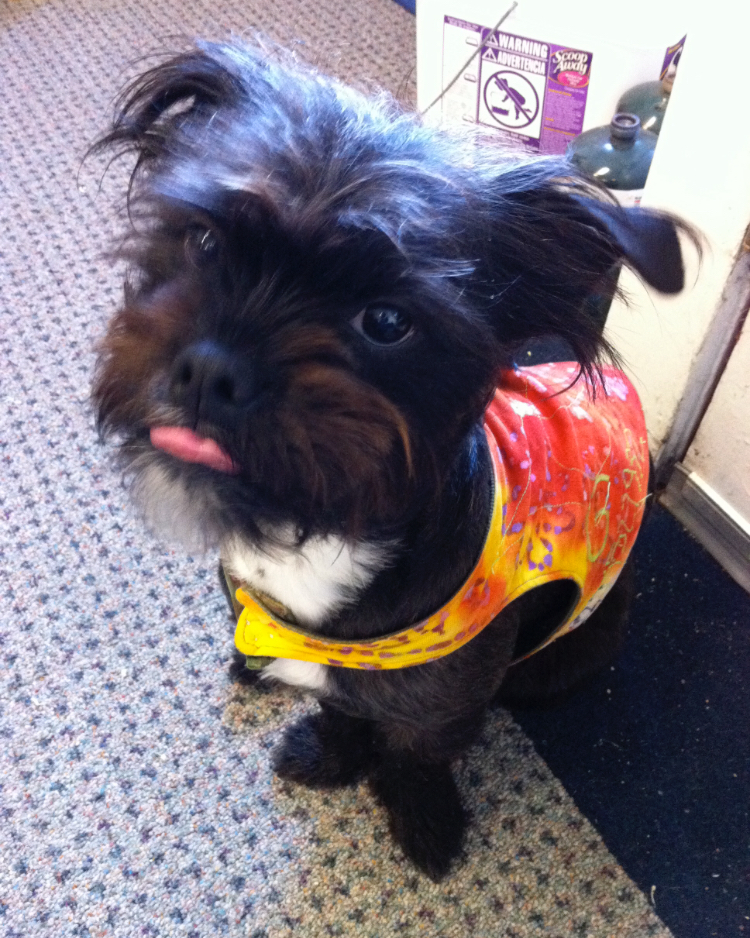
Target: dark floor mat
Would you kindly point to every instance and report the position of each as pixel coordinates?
(655, 752)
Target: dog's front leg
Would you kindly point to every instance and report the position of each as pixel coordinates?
(427, 819)
(412, 779)
(325, 749)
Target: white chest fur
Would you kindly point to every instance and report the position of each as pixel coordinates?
(312, 580)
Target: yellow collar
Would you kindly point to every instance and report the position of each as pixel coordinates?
(262, 634)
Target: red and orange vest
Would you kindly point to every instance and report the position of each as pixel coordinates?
(571, 468)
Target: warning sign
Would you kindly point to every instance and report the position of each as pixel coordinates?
(533, 92)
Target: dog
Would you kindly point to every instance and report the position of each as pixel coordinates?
(313, 372)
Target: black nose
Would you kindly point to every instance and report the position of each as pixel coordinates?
(210, 382)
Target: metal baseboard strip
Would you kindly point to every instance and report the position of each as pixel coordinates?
(724, 534)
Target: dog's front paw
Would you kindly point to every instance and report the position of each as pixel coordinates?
(427, 819)
(239, 673)
(324, 749)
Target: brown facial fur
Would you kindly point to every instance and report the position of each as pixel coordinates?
(141, 342)
(345, 439)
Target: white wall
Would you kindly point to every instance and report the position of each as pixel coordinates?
(720, 453)
(701, 171)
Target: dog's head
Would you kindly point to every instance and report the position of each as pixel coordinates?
(324, 292)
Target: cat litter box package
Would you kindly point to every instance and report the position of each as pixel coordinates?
(548, 72)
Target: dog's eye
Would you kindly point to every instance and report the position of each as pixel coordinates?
(383, 325)
(201, 245)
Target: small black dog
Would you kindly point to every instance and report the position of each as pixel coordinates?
(325, 296)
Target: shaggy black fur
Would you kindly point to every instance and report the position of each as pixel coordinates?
(329, 289)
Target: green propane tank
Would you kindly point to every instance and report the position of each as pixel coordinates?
(619, 156)
(648, 101)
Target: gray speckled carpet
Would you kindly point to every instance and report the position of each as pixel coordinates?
(136, 793)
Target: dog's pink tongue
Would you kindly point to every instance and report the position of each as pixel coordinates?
(186, 445)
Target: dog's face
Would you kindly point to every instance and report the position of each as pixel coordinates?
(323, 293)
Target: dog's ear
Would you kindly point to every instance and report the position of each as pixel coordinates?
(152, 109)
(552, 240)
(648, 241)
